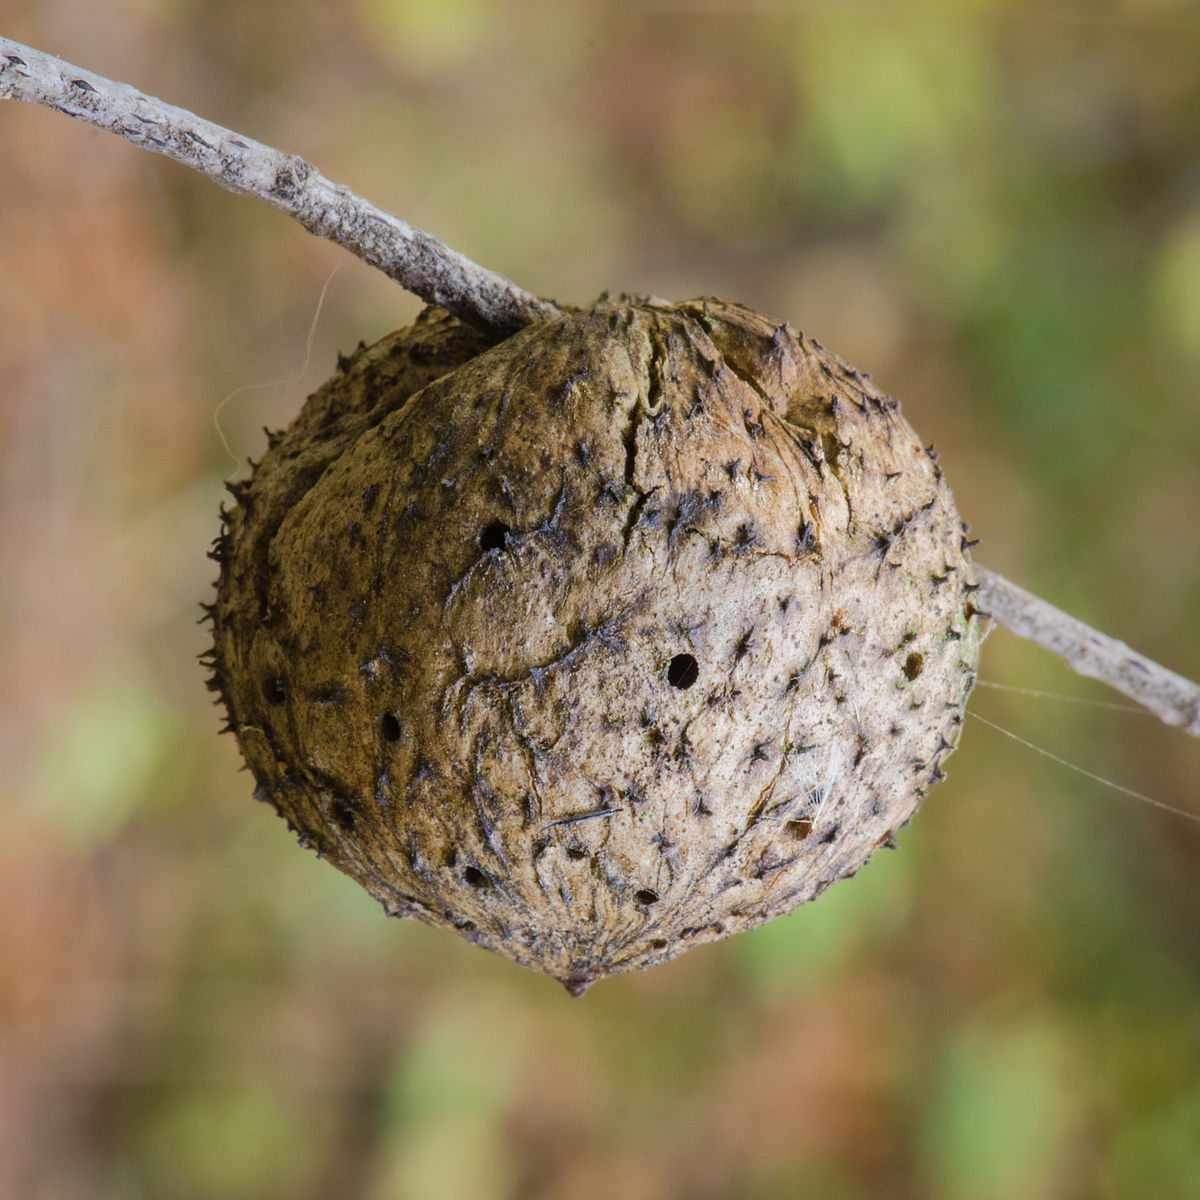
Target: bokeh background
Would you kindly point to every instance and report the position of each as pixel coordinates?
(994, 207)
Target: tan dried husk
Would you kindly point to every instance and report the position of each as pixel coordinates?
(492, 737)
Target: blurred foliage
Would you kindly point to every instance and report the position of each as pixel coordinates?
(995, 1123)
(992, 206)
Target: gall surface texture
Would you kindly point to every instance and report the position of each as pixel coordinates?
(623, 635)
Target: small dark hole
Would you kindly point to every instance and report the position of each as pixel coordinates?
(646, 896)
(830, 836)
(476, 878)
(575, 854)
(682, 671)
(799, 829)
(389, 727)
(273, 690)
(344, 814)
(494, 536)
(658, 944)
(914, 664)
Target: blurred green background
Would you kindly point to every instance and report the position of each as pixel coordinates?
(992, 206)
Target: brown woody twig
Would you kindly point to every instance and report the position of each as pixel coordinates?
(414, 259)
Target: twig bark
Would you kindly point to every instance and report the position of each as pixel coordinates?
(1170, 697)
(416, 260)
(424, 265)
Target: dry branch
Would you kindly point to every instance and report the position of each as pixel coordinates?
(426, 266)
(1170, 697)
(414, 259)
